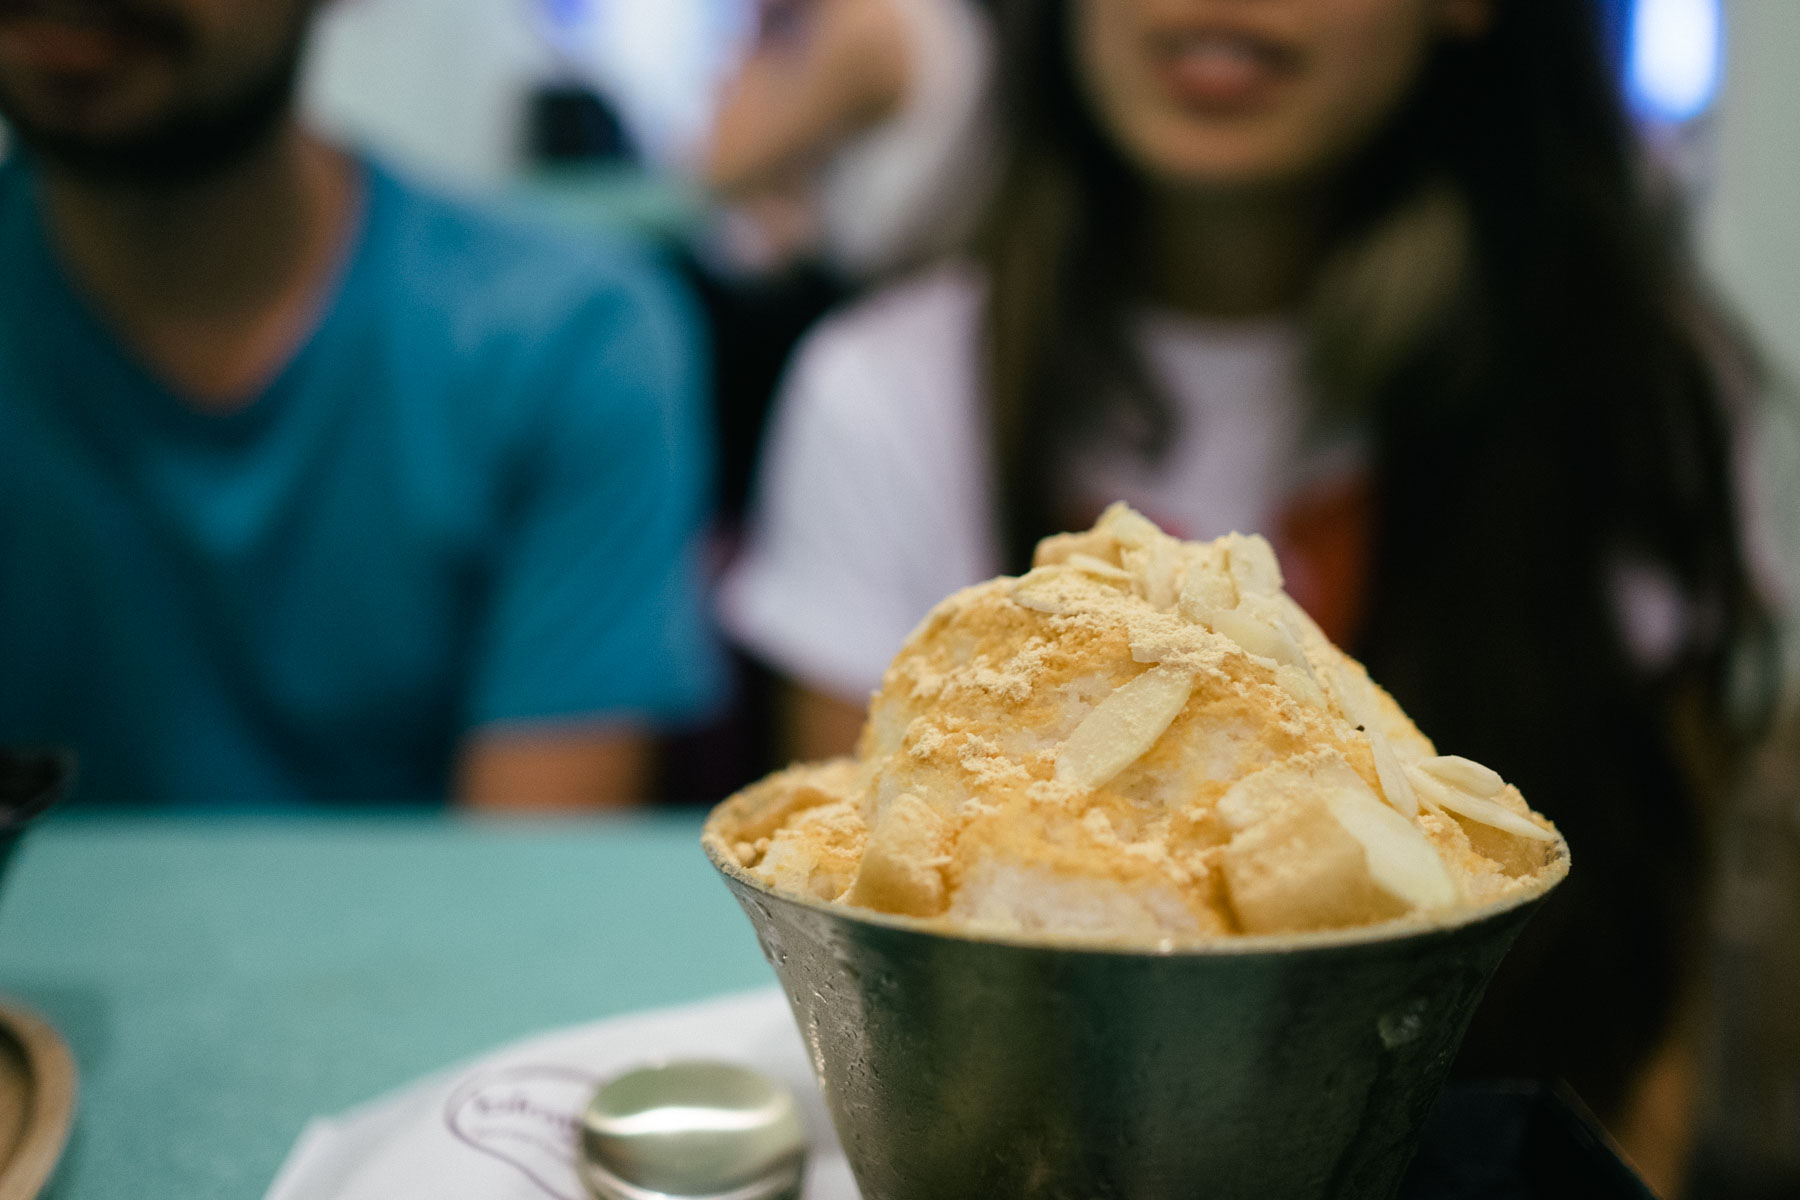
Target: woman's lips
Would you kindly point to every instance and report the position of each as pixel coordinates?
(1221, 72)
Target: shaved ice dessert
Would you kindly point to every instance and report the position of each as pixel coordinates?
(1146, 742)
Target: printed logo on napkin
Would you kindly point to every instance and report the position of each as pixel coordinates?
(528, 1117)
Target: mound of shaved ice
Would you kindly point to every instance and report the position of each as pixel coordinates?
(1142, 741)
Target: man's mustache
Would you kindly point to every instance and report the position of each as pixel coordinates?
(138, 20)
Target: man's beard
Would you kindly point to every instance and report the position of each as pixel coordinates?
(184, 145)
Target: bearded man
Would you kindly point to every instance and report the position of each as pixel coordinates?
(314, 487)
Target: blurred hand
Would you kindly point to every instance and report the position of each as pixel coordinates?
(557, 769)
(819, 73)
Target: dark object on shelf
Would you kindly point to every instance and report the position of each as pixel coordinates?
(1516, 1141)
(30, 782)
(569, 123)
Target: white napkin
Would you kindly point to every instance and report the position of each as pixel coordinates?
(504, 1127)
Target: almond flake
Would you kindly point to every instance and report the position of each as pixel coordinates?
(1465, 774)
(1087, 564)
(1298, 621)
(1402, 861)
(1128, 527)
(1123, 726)
(1038, 602)
(1153, 569)
(1477, 808)
(1357, 695)
(1205, 589)
(1256, 636)
(1354, 696)
(1058, 547)
(1253, 565)
(1298, 682)
(1044, 591)
(1394, 784)
(902, 863)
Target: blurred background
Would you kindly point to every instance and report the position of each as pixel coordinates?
(446, 88)
(490, 96)
(650, 118)
(604, 114)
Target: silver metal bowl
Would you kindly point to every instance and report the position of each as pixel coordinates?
(1270, 1067)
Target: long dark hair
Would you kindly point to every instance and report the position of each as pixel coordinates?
(1506, 310)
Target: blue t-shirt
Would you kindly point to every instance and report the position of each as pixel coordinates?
(471, 498)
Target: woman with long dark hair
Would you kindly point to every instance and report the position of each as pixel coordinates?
(1384, 280)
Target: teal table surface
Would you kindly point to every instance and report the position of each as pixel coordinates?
(221, 982)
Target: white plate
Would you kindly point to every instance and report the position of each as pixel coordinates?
(503, 1127)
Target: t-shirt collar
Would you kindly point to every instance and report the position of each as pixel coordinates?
(71, 327)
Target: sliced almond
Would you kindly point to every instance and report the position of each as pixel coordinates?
(1402, 860)
(1465, 774)
(1253, 565)
(1154, 569)
(1044, 591)
(1099, 568)
(1299, 622)
(1289, 863)
(1056, 548)
(1298, 682)
(1476, 808)
(1354, 695)
(1039, 601)
(1394, 784)
(902, 863)
(1206, 588)
(1127, 526)
(1268, 813)
(1256, 635)
(1123, 726)
(1357, 696)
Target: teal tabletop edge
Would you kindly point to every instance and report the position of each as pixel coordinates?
(222, 981)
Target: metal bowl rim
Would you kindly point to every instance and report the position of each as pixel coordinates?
(1399, 930)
